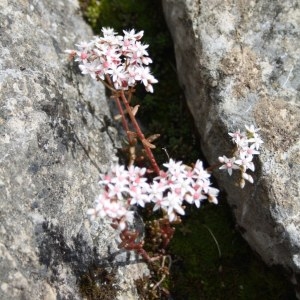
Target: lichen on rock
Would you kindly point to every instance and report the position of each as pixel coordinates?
(238, 62)
(54, 137)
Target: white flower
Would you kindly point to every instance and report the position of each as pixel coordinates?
(138, 196)
(175, 169)
(195, 196)
(94, 69)
(200, 173)
(121, 57)
(204, 184)
(228, 164)
(172, 204)
(85, 46)
(256, 141)
(246, 163)
(118, 75)
(248, 151)
(247, 145)
(236, 136)
(107, 31)
(141, 49)
(121, 188)
(143, 74)
(131, 35)
(158, 199)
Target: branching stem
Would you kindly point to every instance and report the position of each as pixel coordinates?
(140, 133)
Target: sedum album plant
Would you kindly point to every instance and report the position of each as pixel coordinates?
(121, 62)
(247, 145)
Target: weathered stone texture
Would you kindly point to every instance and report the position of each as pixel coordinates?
(238, 62)
(55, 135)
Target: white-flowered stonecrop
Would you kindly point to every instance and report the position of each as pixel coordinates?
(122, 188)
(124, 58)
(247, 145)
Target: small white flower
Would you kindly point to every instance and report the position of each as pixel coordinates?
(256, 141)
(247, 145)
(143, 74)
(131, 35)
(248, 151)
(118, 75)
(138, 196)
(172, 204)
(246, 163)
(107, 31)
(199, 171)
(236, 136)
(195, 196)
(228, 164)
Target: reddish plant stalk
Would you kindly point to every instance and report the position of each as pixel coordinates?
(128, 242)
(110, 85)
(124, 122)
(140, 134)
(211, 168)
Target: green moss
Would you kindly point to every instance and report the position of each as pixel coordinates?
(91, 10)
(236, 274)
(198, 271)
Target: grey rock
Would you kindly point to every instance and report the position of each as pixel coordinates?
(238, 63)
(55, 137)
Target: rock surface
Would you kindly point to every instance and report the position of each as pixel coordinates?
(238, 63)
(55, 135)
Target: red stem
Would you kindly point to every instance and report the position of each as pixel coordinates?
(209, 169)
(140, 134)
(124, 122)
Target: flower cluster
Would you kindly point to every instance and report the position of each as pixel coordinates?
(124, 59)
(247, 145)
(122, 188)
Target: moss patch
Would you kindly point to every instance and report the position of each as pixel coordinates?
(234, 272)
